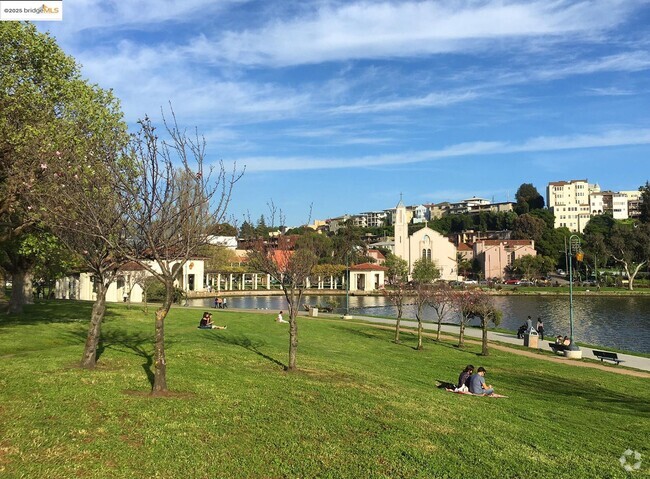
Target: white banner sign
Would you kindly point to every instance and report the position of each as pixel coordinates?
(19, 10)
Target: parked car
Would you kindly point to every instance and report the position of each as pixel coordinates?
(526, 282)
(470, 281)
(511, 281)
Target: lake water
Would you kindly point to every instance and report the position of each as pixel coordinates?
(617, 322)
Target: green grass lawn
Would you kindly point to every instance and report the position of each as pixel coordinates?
(359, 407)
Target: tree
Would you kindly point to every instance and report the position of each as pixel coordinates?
(528, 226)
(441, 300)
(528, 199)
(47, 109)
(425, 272)
(530, 266)
(292, 269)
(169, 201)
(486, 311)
(630, 247)
(466, 303)
(397, 278)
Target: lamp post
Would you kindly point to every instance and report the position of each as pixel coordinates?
(574, 245)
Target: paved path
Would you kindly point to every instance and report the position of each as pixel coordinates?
(636, 362)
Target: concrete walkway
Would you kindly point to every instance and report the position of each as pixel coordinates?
(636, 362)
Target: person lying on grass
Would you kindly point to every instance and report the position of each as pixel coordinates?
(477, 383)
(206, 322)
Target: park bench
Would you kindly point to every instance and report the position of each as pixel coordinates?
(606, 355)
(558, 348)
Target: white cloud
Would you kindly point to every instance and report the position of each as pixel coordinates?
(408, 29)
(538, 144)
(426, 101)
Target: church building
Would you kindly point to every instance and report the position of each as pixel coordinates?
(424, 243)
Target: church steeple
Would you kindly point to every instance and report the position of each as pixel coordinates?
(401, 230)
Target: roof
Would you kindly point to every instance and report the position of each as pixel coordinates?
(464, 247)
(521, 242)
(377, 253)
(367, 267)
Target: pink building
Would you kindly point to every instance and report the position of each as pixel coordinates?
(496, 255)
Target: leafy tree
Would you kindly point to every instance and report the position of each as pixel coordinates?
(320, 244)
(528, 226)
(397, 278)
(223, 229)
(247, 231)
(425, 272)
(528, 199)
(47, 109)
(530, 266)
(630, 247)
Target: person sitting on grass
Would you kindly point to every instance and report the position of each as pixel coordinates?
(477, 384)
(463, 379)
(206, 322)
(280, 319)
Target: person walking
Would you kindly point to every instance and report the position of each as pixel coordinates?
(540, 328)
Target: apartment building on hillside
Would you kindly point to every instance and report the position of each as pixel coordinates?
(569, 203)
(609, 202)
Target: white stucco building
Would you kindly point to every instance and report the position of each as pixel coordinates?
(569, 203)
(129, 281)
(424, 243)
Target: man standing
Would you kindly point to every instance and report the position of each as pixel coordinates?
(477, 383)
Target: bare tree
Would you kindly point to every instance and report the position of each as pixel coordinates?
(397, 291)
(169, 207)
(425, 272)
(442, 303)
(292, 269)
(466, 302)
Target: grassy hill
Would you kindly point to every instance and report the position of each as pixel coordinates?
(360, 406)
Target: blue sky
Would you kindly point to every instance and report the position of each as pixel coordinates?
(347, 104)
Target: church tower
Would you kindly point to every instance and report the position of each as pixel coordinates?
(401, 231)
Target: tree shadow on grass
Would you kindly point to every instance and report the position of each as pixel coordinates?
(597, 396)
(53, 311)
(123, 341)
(247, 343)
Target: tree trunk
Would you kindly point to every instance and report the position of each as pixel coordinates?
(399, 318)
(461, 336)
(439, 327)
(484, 337)
(419, 333)
(21, 290)
(160, 363)
(293, 333)
(89, 357)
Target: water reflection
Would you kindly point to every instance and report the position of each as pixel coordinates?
(618, 322)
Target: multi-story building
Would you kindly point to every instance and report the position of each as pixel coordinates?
(609, 202)
(633, 202)
(495, 256)
(569, 203)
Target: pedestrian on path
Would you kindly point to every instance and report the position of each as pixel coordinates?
(540, 328)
